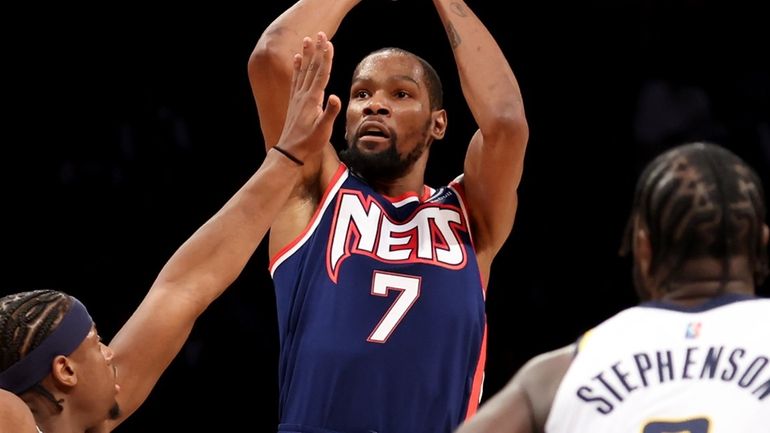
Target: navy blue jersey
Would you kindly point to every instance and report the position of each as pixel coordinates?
(381, 314)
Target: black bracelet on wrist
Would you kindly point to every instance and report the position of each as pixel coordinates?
(293, 158)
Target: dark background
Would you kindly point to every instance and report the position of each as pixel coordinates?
(126, 126)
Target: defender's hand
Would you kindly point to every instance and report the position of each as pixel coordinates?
(308, 126)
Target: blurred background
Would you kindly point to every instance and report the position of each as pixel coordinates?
(127, 126)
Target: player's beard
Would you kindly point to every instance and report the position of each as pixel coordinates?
(384, 165)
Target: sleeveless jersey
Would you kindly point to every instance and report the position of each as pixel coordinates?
(381, 314)
(657, 368)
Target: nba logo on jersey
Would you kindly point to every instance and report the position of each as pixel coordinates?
(693, 330)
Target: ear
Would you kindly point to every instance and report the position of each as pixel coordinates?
(439, 124)
(642, 249)
(63, 371)
(765, 234)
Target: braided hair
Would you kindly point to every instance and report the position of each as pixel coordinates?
(26, 319)
(700, 200)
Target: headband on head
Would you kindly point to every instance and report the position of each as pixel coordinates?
(32, 368)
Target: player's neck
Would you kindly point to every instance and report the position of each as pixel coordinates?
(700, 280)
(49, 420)
(692, 294)
(400, 187)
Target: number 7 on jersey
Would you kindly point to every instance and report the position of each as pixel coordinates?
(384, 282)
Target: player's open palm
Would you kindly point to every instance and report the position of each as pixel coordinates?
(308, 125)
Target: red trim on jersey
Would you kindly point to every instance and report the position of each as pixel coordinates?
(426, 193)
(340, 170)
(460, 188)
(478, 378)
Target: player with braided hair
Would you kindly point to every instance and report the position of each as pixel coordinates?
(695, 355)
(698, 201)
(51, 355)
(33, 326)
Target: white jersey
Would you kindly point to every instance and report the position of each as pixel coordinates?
(655, 368)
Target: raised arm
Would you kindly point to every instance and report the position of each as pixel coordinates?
(270, 78)
(270, 63)
(493, 164)
(210, 260)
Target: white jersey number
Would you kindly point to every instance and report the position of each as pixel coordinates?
(382, 283)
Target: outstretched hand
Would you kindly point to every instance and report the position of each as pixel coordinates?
(308, 126)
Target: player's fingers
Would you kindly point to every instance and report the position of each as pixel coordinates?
(325, 55)
(333, 107)
(295, 76)
(308, 50)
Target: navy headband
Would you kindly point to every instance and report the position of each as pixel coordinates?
(34, 367)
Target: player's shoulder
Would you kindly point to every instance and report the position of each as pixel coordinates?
(544, 362)
(15, 416)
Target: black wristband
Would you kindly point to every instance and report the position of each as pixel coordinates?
(293, 158)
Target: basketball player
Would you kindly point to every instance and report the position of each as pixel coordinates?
(50, 352)
(694, 356)
(380, 278)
